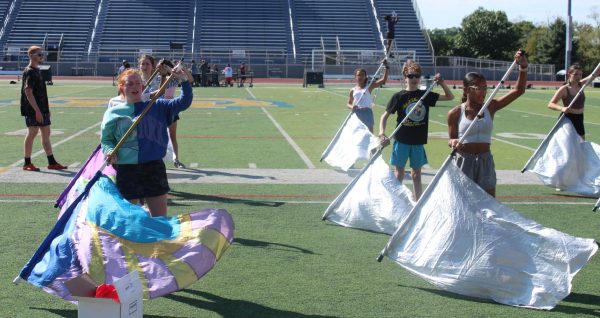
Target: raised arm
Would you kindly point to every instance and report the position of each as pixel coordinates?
(447, 92)
(382, 80)
(519, 89)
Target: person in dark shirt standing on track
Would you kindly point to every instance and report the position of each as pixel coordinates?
(36, 110)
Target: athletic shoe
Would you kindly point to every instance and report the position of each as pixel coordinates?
(178, 164)
(30, 167)
(57, 166)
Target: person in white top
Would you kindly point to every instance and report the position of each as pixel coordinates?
(228, 71)
(359, 99)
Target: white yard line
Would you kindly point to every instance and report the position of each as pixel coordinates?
(54, 145)
(285, 135)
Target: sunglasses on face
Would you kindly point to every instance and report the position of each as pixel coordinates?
(411, 76)
(478, 89)
(38, 54)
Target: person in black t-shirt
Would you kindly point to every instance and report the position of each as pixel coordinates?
(35, 109)
(412, 136)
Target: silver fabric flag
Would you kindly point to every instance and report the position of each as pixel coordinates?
(354, 143)
(462, 240)
(567, 162)
(377, 202)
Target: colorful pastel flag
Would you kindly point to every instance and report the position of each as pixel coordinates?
(565, 161)
(460, 239)
(376, 202)
(354, 143)
(103, 235)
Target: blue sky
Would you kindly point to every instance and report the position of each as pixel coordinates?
(443, 14)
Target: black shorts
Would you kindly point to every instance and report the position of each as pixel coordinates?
(30, 121)
(136, 181)
(577, 120)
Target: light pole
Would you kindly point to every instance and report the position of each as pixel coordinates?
(569, 37)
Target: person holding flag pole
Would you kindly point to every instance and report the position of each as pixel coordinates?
(130, 81)
(360, 100)
(355, 102)
(141, 173)
(384, 143)
(572, 96)
(564, 160)
(410, 140)
(472, 151)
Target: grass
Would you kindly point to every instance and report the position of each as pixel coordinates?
(285, 261)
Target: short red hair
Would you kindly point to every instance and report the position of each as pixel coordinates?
(33, 49)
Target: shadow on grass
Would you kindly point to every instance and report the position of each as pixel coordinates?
(195, 174)
(270, 245)
(229, 308)
(574, 297)
(214, 198)
(72, 313)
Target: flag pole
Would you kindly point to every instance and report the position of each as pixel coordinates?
(546, 140)
(376, 155)
(596, 206)
(64, 218)
(438, 175)
(338, 133)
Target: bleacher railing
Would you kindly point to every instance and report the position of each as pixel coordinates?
(272, 63)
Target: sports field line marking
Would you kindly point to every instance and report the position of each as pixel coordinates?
(548, 116)
(494, 138)
(285, 135)
(77, 134)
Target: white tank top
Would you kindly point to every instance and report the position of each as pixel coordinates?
(481, 131)
(364, 102)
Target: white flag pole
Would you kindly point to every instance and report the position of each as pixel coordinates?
(555, 127)
(438, 175)
(376, 155)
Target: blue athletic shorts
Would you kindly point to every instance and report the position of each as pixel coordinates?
(402, 152)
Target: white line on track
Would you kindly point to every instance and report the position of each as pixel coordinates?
(285, 135)
(549, 116)
(54, 145)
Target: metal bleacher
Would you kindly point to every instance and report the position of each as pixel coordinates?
(40, 19)
(145, 24)
(348, 20)
(266, 32)
(408, 34)
(243, 25)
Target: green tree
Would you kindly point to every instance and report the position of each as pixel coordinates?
(587, 37)
(551, 47)
(487, 34)
(443, 40)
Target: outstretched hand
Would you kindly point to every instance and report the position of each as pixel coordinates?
(521, 58)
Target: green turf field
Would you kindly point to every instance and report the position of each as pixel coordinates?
(285, 261)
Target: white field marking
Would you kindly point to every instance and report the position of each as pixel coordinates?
(343, 95)
(23, 132)
(494, 138)
(194, 165)
(77, 134)
(249, 92)
(309, 202)
(74, 164)
(287, 137)
(549, 116)
(252, 165)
